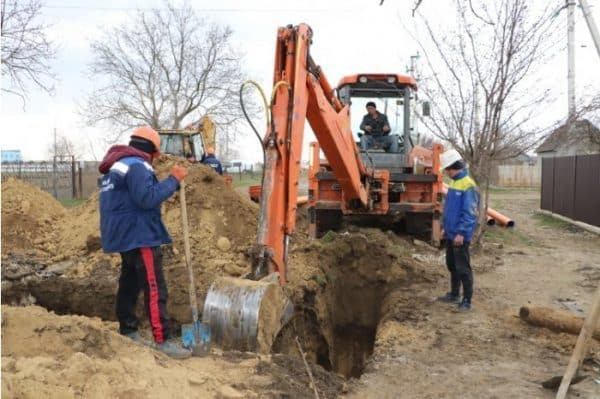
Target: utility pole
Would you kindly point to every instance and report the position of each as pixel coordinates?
(589, 19)
(54, 182)
(414, 72)
(571, 55)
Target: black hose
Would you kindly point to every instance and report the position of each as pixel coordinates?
(254, 127)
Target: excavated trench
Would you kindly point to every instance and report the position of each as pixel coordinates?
(341, 296)
(365, 277)
(337, 325)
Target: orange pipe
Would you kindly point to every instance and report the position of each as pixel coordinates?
(490, 221)
(500, 218)
(256, 190)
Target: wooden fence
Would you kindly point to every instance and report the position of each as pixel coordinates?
(524, 175)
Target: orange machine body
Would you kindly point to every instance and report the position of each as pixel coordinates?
(344, 184)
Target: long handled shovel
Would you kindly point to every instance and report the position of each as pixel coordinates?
(195, 336)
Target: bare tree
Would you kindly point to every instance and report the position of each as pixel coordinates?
(480, 76)
(227, 148)
(589, 109)
(26, 50)
(162, 67)
(64, 149)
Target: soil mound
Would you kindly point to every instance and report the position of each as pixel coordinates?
(222, 226)
(215, 211)
(50, 356)
(29, 216)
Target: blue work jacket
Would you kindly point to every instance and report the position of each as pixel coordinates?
(461, 207)
(130, 200)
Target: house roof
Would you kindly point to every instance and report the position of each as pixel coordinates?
(569, 134)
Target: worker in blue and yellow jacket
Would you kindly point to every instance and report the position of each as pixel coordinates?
(459, 223)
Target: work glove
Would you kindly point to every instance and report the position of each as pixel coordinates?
(179, 172)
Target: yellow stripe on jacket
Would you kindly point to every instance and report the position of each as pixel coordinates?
(463, 184)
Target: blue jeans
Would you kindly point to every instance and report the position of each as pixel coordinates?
(388, 142)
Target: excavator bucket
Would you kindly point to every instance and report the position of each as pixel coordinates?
(246, 315)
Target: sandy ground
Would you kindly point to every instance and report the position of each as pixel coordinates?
(431, 351)
(352, 288)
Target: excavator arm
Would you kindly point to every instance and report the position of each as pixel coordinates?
(301, 92)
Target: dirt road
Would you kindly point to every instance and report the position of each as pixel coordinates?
(430, 351)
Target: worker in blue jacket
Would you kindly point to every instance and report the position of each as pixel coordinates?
(130, 224)
(211, 160)
(459, 222)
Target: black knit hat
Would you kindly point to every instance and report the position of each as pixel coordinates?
(142, 145)
(371, 104)
(458, 165)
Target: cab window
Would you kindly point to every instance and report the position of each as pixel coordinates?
(172, 144)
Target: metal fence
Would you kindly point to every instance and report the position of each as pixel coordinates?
(63, 179)
(571, 187)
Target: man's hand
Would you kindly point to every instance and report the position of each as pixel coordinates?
(368, 129)
(179, 172)
(386, 129)
(458, 240)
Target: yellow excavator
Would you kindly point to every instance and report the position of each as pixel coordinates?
(190, 142)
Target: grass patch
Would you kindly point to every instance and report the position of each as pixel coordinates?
(498, 190)
(495, 204)
(508, 237)
(549, 221)
(71, 203)
(246, 180)
(495, 189)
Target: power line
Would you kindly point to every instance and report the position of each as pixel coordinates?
(216, 10)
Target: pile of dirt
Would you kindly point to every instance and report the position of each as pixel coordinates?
(222, 226)
(221, 221)
(50, 356)
(29, 218)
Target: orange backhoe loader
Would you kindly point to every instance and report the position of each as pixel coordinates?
(403, 187)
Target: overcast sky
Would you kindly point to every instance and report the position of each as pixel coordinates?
(350, 36)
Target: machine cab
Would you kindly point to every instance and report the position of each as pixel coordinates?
(182, 143)
(393, 96)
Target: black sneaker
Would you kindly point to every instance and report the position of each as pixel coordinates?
(449, 298)
(464, 305)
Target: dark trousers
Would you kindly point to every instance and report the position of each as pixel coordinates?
(141, 269)
(458, 262)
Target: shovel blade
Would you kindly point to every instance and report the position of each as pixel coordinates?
(196, 337)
